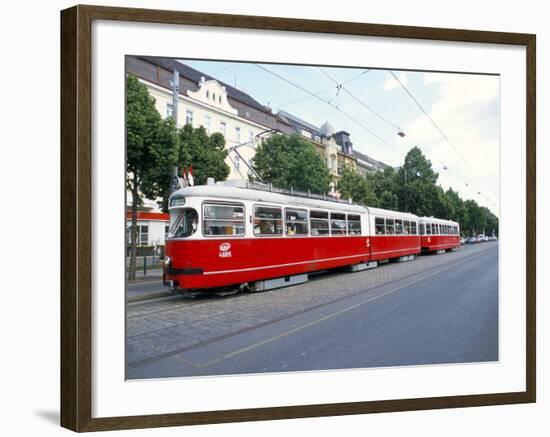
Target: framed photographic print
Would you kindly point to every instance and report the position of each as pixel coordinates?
(268, 218)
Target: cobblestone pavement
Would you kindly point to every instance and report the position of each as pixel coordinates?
(160, 328)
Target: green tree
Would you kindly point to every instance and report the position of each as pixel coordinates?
(384, 185)
(457, 211)
(142, 126)
(417, 190)
(289, 161)
(354, 186)
(475, 218)
(205, 153)
(157, 182)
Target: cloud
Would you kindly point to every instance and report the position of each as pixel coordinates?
(391, 83)
(466, 109)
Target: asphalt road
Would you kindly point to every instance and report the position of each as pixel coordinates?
(436, 309)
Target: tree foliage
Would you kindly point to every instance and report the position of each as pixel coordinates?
(354, 186)
(289, 161)
(205, 153)
(385, 187)
(413, 188)
(142, 123)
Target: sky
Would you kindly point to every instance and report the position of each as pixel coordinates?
(463, 146)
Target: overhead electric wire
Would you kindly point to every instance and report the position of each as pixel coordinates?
(359, 101)
(333, 106)
(440, 131)
(323, 90)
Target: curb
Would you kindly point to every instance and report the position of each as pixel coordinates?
(149, 296)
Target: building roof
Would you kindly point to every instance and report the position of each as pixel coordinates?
(298, 122)
(368, 160)
(196, 75)
(326, 129)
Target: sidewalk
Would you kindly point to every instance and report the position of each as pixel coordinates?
(146, 286)
(152, 274)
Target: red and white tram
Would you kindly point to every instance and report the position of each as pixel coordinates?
(438, 235)
(224, 235)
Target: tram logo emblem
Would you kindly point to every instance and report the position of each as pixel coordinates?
(225, 250)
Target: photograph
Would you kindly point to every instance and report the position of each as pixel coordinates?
(287, 218)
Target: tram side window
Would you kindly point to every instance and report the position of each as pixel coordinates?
(389, 227)
(398, 227)
(296, 222)
(422, 229)
(268, 220)
(428, 229)
(434, 229)
(185, 224)
(413, 228)
(406, 227)
(337, 223)
(354, 224)
(319, 223)
(223, 219)
(379, 226)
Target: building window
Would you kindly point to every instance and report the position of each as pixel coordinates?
(238, 135)
(268, 220)
(208, 123)
(250, 136)
(237, 163)
(169, 110)
(207, 94)
(219, 99)
(143, 235)
(214, 96)
(189, 117)
(223, 127)
(223, 219)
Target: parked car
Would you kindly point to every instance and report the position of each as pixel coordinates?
(471, 240)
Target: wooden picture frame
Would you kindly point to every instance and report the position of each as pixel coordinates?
(76, 217)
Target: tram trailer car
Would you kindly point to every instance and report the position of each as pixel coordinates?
(437, 235)
(222, 236)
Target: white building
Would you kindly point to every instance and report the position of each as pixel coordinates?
(204, 101)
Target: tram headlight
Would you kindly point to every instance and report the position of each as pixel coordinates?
(167, 261)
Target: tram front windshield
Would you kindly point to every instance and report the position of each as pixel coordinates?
(185, 224)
